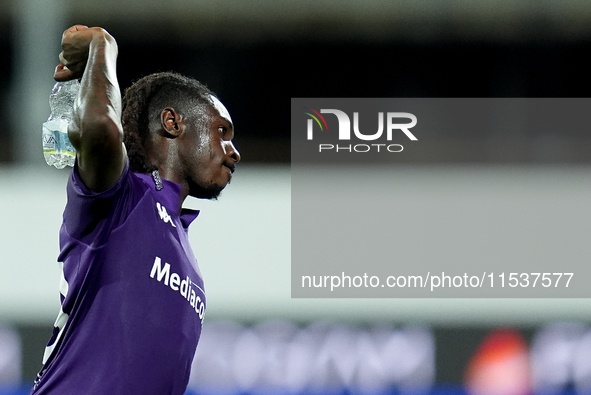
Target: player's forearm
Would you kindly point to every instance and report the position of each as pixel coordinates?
(97, 115)
(96, 131)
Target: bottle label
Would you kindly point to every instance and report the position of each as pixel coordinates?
(57, 148)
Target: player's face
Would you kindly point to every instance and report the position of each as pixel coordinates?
(211, 156)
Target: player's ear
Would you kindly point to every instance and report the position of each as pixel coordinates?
(172, 122)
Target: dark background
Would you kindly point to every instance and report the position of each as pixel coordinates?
(256, 76)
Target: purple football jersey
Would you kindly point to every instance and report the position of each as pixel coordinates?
(132, 294)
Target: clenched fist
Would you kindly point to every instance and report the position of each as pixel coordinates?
(76, 43)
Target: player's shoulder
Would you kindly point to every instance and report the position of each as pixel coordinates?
(88, 211)
(76, 185)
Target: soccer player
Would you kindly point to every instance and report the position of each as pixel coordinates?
(132, 293)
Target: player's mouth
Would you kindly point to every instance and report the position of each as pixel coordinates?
(231, 166)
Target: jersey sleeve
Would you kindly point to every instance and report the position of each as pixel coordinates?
(90, 216)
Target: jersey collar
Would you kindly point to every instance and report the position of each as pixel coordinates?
(170, 197)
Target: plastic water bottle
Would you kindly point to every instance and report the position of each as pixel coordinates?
(57, 149)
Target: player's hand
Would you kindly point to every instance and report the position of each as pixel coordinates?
(75, 49)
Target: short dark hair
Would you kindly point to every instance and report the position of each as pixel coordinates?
(143, 94)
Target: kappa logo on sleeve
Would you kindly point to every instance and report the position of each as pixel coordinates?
(164, 214)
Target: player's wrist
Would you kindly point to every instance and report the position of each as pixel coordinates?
(102, 39)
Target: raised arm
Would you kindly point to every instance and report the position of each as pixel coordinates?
(95, 131)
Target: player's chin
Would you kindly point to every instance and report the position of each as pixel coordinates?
(211, 191)
(214, 185)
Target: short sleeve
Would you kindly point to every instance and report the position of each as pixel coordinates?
(90, 215)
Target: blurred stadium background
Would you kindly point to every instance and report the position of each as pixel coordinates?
(256, 55)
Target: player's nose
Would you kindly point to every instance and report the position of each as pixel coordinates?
(232, 152)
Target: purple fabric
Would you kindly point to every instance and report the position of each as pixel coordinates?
(134, 299)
